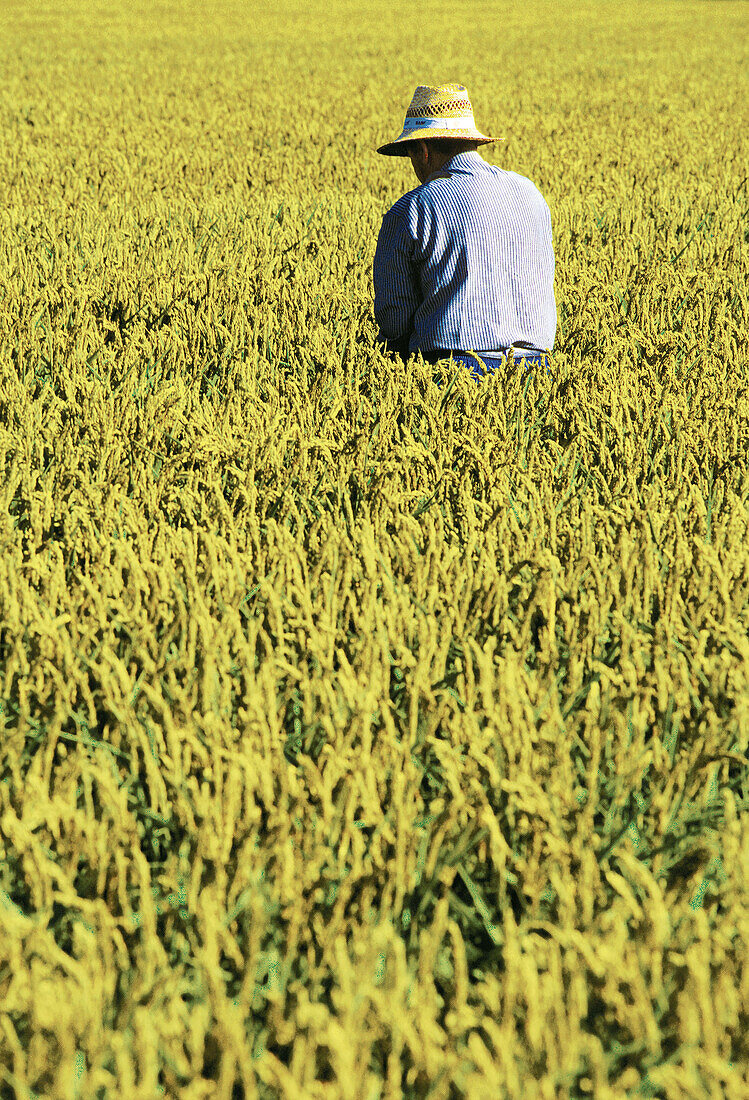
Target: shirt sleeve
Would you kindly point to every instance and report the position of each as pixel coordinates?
(396, 284)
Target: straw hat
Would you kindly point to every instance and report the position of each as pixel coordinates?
(441, 112)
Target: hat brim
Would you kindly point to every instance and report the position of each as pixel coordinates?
(399, 147)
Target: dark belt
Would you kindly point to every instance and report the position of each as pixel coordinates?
(502, 353)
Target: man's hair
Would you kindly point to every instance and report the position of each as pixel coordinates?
(452, 146)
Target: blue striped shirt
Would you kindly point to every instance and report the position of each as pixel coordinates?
(465, 262)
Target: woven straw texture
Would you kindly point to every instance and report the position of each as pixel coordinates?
(442, 101)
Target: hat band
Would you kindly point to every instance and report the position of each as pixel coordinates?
(463, 122)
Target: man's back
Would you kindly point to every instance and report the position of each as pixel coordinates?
(465, 262)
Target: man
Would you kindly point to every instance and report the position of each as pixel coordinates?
(464, 263)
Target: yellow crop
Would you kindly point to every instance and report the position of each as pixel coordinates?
(363, 738)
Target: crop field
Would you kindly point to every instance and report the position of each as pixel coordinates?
(367, 732)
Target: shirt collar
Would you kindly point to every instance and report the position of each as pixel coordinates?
(461, 162)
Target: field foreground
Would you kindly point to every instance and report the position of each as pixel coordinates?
(364, 737)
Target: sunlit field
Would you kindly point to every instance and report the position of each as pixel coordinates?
(366, 732)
